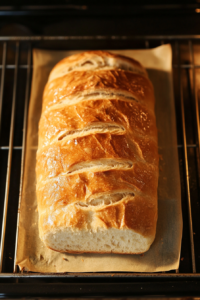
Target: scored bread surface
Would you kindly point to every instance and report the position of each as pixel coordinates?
(97, 159)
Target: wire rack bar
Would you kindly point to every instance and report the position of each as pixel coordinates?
(101, 37)
(2, 78)
(195, 94)
(188, 146)
(186, 66)
(13, 66)
(146, 44)
(182, 66)
(100, 275)
(180, 146)
(9, 157)
(23, 150)
(20, 147)
(186, 166)
(7, 148)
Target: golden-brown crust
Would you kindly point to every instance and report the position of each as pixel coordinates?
(56, 159)
(76, 57)
(110, 81)
(133, 116)
(138, 213)
(64, 190)
(96, 60)
(65, 198)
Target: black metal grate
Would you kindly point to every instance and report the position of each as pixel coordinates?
(16, 69)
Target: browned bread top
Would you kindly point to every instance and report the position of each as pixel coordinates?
(92, 60)
(97, 160)
(79, 86)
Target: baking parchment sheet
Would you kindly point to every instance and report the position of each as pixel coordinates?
(164, 254)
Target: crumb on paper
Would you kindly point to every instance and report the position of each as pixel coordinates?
(10, 257)
(65, 259)
(82, 260)
(142, 254)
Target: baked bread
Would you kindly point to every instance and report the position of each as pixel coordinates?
(97, 159)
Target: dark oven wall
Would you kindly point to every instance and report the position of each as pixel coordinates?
(99, 18)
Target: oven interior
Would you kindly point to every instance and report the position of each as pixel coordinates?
(15, 85)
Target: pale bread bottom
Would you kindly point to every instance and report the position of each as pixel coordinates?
(122, 241)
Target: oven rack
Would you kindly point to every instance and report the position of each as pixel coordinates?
(15, 83)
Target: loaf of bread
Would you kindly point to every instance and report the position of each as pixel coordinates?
(97, 159)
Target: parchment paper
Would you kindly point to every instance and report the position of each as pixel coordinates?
(164, 254)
